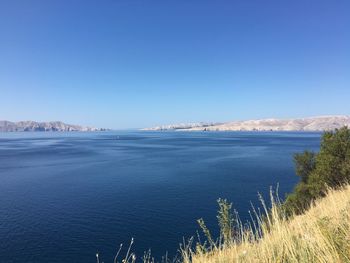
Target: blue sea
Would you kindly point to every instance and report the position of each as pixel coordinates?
(66, 196)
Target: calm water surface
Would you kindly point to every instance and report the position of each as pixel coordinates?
(64, 196)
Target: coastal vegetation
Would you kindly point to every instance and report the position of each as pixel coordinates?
(321, 234)
(311, 225)
(328, 168)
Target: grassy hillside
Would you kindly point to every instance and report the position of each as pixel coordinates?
(311, 225)
(321, 234)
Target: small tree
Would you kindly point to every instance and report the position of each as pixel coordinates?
(333, 160)
(329, 168)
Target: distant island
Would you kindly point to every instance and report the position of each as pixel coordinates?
(30, 126)
(319, 123)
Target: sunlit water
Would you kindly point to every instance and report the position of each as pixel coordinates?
(65, 196)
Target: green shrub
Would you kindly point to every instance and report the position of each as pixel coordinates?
(328, 168)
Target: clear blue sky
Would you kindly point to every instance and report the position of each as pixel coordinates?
(128, 64)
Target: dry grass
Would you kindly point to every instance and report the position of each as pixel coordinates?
(322, 234)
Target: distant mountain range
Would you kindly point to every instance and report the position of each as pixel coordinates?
(183, 126)
(22, 126)
(319, 123)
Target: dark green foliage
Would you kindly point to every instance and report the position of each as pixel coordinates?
(329, 168)
(333, 160)
(304, 164)
(299, 200)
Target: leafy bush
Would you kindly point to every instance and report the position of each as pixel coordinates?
(328, 168)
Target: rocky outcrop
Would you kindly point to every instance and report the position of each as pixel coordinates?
(22, 126)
